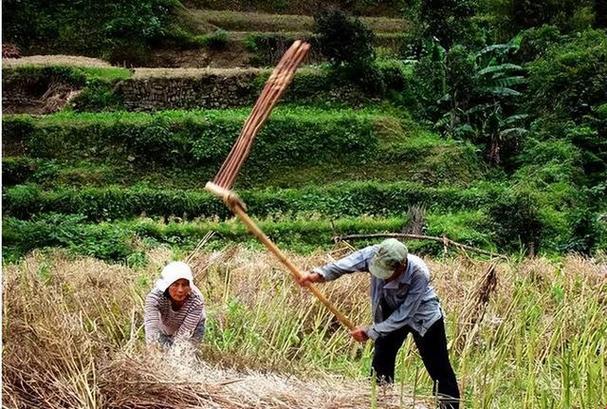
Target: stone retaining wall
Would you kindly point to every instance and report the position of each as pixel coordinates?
(207, 91)
(213, 90)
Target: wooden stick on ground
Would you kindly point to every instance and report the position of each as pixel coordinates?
(444, 240)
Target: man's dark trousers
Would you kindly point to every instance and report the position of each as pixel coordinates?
(433, 350)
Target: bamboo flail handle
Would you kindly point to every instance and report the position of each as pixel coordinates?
(237, 206)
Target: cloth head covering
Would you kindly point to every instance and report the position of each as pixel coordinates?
(172, 272)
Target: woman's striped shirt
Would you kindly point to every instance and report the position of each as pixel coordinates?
(159, 316)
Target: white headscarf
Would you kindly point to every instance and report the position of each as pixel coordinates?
(172, 272)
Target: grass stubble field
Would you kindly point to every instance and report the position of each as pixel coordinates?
(528, 333)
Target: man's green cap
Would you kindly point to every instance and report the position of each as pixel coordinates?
(390, 254)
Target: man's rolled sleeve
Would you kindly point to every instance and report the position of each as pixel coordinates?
(371, 333)
(357, 261)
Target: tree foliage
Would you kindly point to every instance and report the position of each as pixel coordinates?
(119, 30)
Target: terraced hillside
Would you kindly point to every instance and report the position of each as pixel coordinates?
(228, 38)
(118, 158)
(332, 159)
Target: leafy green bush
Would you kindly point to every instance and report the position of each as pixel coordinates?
(217, 40)
(542, 163)
(517, 220)
(343, 39)
(96, 96)
(571, 78)
(536, 41)
(448, 21)
(515, 15)
(348, 45)
(104, 241)
(472, 95)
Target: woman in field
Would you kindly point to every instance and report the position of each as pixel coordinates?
(174, 309)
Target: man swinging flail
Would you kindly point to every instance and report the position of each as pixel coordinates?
(403, 300)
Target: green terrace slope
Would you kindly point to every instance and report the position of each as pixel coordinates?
(298, 146)
(127, 240)
(226, 38)
(331, 200)
(373, 8)
(249, 21)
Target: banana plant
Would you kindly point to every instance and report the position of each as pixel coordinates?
(480, 99)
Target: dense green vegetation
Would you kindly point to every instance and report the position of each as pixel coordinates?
(495, 109)
(129, 240)
(304, 144)
(118, 31)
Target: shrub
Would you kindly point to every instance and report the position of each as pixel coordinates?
(104, 241)
(218, 40)
(571, 78)
(541, 163)
(517, 220)
(348, 44)
(343, 39)
(122, 31)
(97, 96)
(448, 21)
(516, 15)
(536, 41)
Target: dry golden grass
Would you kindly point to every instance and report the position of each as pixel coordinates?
(72, 332)
(72, 338)
(46, 60)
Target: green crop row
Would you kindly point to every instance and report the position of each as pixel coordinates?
(339, 200)
(312, 142)
(194, 138)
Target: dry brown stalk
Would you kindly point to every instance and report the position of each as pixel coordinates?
(274, 88)
(475, 307)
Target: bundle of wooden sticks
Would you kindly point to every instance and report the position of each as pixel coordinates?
(275, 86)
